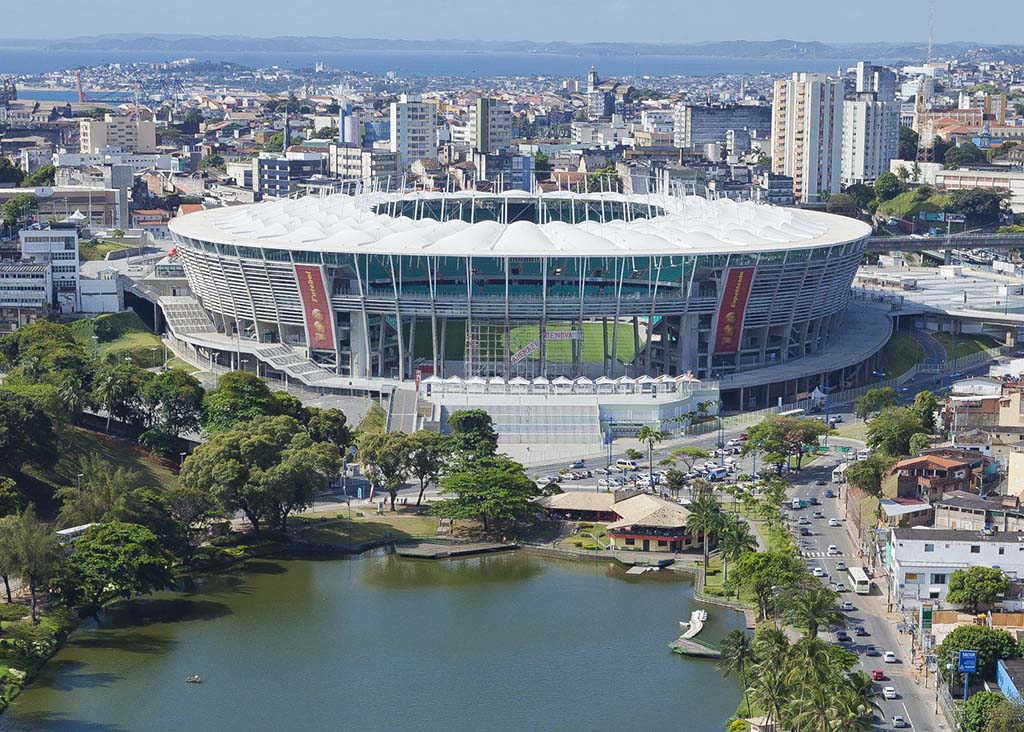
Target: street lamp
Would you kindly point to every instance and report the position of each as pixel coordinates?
(880, 373)
(152, 350)
(828, 405)
(182, 455)
(79, 479)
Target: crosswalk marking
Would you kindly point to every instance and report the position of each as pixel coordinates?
(813, 555)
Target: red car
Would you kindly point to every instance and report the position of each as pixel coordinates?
(877, 675)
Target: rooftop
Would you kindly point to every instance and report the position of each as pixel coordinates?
(921, 533)
(683, 225)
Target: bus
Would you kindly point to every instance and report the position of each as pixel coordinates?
(793, 413)
(859, 581)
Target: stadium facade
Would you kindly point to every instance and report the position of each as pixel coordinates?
(558, 284)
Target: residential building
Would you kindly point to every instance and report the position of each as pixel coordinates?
(137, 161)
(696, 125)
(777, 189)
(879, 80)
(120, 133)
(600, 105)
(413, 130)
(871, 138)
(807, 130)
(55, 244)
(277, 175)
(490, 125)
(906, 512)
(26, 294)
(351, 163)
(971, 512)
(153, 221)
(928, 477)
(921, 560)
(506, 170)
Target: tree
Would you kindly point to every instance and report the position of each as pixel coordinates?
(887, 187)
(43, 176)
(990, 643)
(735, 540)
(326, 133)
(737, 658)
(759, 572)
(979, 709)
(981, 207)
(967, 153)
(675, 481)
(385, 460)
(919, 441)
(99, 495)
(119, 390)
(35, 551)
(867, 474)
(1008, 717)
(174, 402)
(265, 468)
(842, 203)
(925, 406)
(891, 429)
(689, 456)
(329, 425)
(861, 194)
(812, 609)
(192, 510)
(11, 176)
(874, 401)
(785, 435)
(239, 396)
(493, 490)
(26, 433)
(705, 517)
(211, 161)
(650, 435)
(375, 420)
(428, 454)
(17, 209)
(976, 586)
(908, 143)
(8, 555)
(542, 166)
(116, 560)
(472, 433)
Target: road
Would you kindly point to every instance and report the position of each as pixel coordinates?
(914, 701)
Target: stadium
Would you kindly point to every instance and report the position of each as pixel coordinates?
(516, 285)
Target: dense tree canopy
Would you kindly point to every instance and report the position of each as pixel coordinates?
(785, 435)
(977, 586)
(874, 401)
(887, 187)
(472, 433)
(990, 643)
(979, 205)
(26, 433)
(493, 490)
(891, 429)
(239, 396)
(759, 572)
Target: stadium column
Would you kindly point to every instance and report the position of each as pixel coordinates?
(636, 345)
(367, 368)
(604, 338)
(577, 345)
(398, 320)
(431, 288)
(507, 355)
(541, 334)
(617, 289)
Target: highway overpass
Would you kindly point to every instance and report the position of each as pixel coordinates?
(973, 240)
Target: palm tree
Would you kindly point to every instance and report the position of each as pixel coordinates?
(812, 609)
(770, 690)
(705, 517)
(734, 540)
(857, 704)
(737, 658)
(771, 643)
(650, 435)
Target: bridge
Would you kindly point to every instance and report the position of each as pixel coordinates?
(955, 241)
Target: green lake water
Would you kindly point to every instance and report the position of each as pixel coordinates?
(503, 642)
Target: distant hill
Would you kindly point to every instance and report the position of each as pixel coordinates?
(182, 45)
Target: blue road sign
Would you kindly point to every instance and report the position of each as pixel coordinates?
(968, 662)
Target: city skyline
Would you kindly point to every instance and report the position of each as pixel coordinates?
(572, 21)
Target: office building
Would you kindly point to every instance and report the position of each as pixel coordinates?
(505, 170)
(807, 131)
(351, 163)
(696, 125)
(871, 138)
(26, 291)
(137, 161)
(120, 133)
(277, 175)
(56, 245)
(490, 125)
(413, 130)
(877, 79)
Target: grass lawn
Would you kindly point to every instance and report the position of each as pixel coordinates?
(333, 527)
(901, 353)
(94, 252)
(74, 444)
(173, 362)
(965, 344)
(116, 335)
(714, 583)
(588, 536)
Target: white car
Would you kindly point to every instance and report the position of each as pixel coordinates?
(840, 566)
(889, 692)
(840, 587)
(605, 483)
(734, 442)
(833, 550)
(899, 722)
(889, 657)
(847, 606)
(818, 572)
(833, 522)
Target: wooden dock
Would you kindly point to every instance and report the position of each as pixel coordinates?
(435, 550)
(688, 645)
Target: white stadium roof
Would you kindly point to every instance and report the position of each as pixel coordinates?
(689, 225)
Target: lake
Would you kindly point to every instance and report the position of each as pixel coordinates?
(379, 643)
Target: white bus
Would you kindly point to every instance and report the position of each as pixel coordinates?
(839, 473)
(793, 413)
(859, 581)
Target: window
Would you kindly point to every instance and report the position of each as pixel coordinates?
(975, 549)
(1002, 550)
(630, 542)
(662, 543)
(938, 579)
(929, 547)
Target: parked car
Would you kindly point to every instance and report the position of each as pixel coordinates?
(898, 722)
(605, 483)
(835, 419)
(878, 675)
(889, 692)
(735, 442)
(889, 657)
(743, 435)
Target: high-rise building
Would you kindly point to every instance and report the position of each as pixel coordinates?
(413, 130)
(878, 79)
(490, 125)
(277, 175)
(55, 244)
(807, 132)
(871, 137)
(696, 125)
(119, 133)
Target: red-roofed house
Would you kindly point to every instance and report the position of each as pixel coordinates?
(928, 477)
(152, 220)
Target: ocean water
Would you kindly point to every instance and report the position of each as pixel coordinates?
(432, 63)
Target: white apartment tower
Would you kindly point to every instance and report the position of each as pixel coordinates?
(490, 125)
(413, 130)
(807, 129)
(871, 137)
(123, 134)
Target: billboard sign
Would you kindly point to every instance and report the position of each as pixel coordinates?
(932, 216)
(731, 309)
(316, 306)
(956, 218)
(524, 351)
(968, 662)
(563, 335)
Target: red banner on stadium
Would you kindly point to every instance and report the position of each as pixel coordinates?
(317, 306)
(732, 308)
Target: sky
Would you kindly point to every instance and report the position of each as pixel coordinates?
(656, 21)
